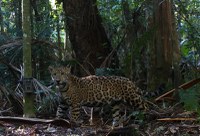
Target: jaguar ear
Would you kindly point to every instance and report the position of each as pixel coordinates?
(50, 68)
(68, 69)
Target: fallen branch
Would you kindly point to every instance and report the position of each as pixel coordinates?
(60, 122)
(9, 110)
(183, 86)
(177, 119)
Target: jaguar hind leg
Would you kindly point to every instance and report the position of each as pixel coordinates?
(88, 111)
(118, 115)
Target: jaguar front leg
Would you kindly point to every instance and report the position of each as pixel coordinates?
(75, 114)
(62, 110)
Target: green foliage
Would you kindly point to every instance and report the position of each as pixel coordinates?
(190, 98)
(42, 56)
(119, 18)
(44, 19)
(188, 27)
(138, 116)
(108, 72)
(46, 100)
(135, 132)
(44, 28)
(130, 57)
(111, 13)
(48, 105)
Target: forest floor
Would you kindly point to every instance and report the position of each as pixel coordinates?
(181, 124)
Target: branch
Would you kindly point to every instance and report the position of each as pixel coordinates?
(183, 86)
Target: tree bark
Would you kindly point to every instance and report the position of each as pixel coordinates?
(87, 35)
(1, 18)
(18, 17)
(134, 30)
(29, 110)
(164, 50)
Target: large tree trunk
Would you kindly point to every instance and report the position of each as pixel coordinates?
(87, 35)
(164, 52)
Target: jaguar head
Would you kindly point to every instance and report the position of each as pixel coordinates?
(59, 76)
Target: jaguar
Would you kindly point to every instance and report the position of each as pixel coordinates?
(94, 90)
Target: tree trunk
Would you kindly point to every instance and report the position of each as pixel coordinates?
(87, 35)
(134, 30)
(18, 18)
(129, 40)
(59, 37)
(1, 18)
(164, 50)
(29, 110)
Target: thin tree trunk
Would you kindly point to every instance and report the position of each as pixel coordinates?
(129, 38)
(29, 110)
(136, 68)
(1, 18)
(18, 17)
(58, 37)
